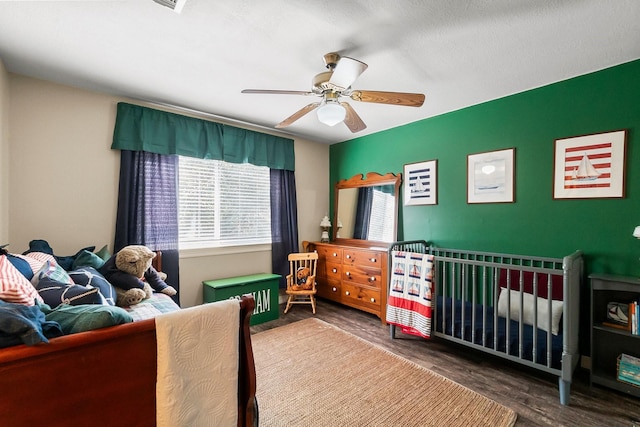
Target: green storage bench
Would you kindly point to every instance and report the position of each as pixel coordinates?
(263, 287)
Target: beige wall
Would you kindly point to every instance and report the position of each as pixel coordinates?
(63, 174)
(64, 181)
(4, 155)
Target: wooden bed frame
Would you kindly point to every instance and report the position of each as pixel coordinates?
(102, 377)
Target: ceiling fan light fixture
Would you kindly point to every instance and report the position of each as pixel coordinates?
(331, 113)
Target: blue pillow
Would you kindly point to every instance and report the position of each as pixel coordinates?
(39, 245)
(90, 277)
(79, 318)
(20, 324)
(55, 293)
(21, 265)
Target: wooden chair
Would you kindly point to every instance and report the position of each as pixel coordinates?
(301, 280)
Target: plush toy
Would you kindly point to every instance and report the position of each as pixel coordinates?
(131, 273)
(303, 281)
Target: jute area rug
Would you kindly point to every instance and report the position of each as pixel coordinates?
(310, 373)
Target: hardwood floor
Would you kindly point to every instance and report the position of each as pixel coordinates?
(533, 395)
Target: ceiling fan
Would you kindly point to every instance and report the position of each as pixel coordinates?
(332, 85)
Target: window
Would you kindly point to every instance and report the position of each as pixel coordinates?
(381, 222)
(222, 204)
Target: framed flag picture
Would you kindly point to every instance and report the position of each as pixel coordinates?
(420, 183)
(590, 166)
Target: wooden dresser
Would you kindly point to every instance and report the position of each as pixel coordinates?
(353, 274)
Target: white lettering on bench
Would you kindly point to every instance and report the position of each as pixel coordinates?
(262, 299)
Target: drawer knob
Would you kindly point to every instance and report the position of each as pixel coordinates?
(335, 270)
(372, 279)
(373, 260)
(348, 256)
(334, 289)
(373, 300)
(347, 293)
(347, 273)
(335, 254)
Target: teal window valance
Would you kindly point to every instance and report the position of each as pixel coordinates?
(145, 129)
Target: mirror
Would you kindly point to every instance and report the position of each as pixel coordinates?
(367, 208)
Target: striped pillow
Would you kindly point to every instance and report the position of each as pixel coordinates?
(41, 258)
(14, 287)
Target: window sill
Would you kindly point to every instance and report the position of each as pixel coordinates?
(225, 250)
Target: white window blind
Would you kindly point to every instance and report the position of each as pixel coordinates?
(382, 217)
(222, 204)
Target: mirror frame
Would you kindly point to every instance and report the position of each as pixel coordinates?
(370, 180)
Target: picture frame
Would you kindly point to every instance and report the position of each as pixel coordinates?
(590, 166)
(421, 183)
(490, 177)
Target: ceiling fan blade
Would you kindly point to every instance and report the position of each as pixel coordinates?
(279, 92)
(346, 72)
(352, 119)
(395, 98)
(295, 116)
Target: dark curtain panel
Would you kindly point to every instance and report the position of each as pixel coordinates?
(363, 213)
(284, 221)
(148, 208)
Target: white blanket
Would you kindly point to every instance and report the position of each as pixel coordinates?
(198, 366)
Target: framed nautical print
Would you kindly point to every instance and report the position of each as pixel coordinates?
(590, 166)
(490, 177)
(420, 183)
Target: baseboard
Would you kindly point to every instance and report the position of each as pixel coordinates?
(282, 297)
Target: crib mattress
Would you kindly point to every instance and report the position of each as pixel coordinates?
(454, 316)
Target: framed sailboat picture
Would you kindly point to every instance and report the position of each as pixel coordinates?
(490, 177)
(590, 166)
(420, 183)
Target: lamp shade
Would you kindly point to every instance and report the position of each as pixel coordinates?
(636, 232)
(325, 222)
(331, 113)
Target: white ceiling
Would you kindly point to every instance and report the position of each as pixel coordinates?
(458, 53)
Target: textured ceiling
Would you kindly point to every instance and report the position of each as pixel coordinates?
(458, 53)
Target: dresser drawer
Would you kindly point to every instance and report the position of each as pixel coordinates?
(361, 296)
(363, 258)
(329, 253)
(361, 276)
(333, 270)
(329, 289)
(329, 270)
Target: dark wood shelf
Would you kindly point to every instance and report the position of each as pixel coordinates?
(607, 342)
(613, 330)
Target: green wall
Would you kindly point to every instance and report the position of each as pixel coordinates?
(535, 224)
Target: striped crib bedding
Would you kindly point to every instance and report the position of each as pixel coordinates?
(409, 303)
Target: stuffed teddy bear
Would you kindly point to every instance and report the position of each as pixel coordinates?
(131, 273)
(303, 281)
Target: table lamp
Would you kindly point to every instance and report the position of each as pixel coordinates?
(325, 224)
